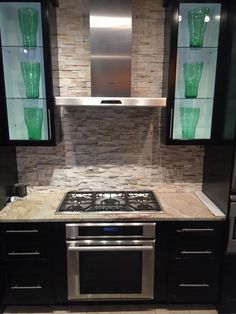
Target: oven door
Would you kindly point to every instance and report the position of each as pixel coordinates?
(110, 269)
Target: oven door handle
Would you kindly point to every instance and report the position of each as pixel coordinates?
(110, 248)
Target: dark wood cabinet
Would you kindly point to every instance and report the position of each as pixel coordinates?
(199, 49)
(31, 262)
(227, 302)
(27, 51)
(194, 261)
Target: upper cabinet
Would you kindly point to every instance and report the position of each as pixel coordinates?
(197, 79)
(27, 102)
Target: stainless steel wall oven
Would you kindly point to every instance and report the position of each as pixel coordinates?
(110, 261)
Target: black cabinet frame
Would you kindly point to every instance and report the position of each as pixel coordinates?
(48, 14)
(221, 81)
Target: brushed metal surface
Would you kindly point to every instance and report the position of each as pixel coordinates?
(110, 101)
(111, 36)
(73, 274)
(73, 229)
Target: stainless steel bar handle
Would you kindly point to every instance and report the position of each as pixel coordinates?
(49, 124)
(22, 253)
(196, 252)
(171, 122)
(205, 285)
(195, 230)
(16, 287)
(23, 231)
(110, 248)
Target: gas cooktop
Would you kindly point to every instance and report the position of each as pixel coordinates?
(111, 201)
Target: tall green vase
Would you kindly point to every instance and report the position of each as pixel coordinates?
(192, 75)
(33, 119)
(28, 21)
(189, 119)
(197, 23)
(31, 75)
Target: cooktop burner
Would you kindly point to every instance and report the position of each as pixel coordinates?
(111, 201)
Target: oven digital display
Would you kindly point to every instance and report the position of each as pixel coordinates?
(110, 229)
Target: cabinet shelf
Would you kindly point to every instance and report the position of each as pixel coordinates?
(24, 98)
(192, 48)
(18, 46)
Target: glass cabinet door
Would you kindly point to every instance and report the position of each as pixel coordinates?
(23, 68)
(198, 33)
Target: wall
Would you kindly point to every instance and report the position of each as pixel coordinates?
(112, 148)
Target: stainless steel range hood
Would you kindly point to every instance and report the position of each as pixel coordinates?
(110, 44)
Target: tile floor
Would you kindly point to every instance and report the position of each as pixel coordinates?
(114, 309)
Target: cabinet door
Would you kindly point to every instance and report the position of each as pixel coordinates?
(26, 74)
(193, 71)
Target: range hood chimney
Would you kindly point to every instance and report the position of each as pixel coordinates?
(110, 45)
(110, 40)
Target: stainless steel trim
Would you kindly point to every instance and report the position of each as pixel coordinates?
(205, 285)
(22, 253)
(195, 230)
(231, 247)
(23, 231)
(49, 124)
(16, 287)
(171, 122)
(196, 252)
(109, 245)
(73, 275)
(110, 248)
(121, 101)
(72, 230)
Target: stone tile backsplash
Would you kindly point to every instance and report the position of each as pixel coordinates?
(112, 148)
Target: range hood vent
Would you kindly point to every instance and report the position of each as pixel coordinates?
(110, 44)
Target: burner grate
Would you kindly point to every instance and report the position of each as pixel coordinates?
(111, 201)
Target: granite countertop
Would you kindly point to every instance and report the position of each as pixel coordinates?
(40, 205)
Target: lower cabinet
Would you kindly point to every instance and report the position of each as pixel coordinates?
(30, 254)
(33, 267)
(194, 261)
(227, 302)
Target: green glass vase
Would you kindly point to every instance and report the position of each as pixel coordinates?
(28, 21)
(189, 119)
(31, 76)
(33, 120)
(197, 23)
(192, 75)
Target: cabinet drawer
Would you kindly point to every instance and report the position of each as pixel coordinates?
(197, 232)
(30, 249)
(189, 282)
(186, 249)
(28, 287)
(21, 241)
(23, 230)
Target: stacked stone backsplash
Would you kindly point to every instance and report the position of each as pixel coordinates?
(112, 148)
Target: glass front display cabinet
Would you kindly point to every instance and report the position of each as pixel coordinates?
(192, 97)
(27, 103)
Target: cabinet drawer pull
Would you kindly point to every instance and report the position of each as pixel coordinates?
(204, 285)
(16, 287)
(195, 230)
(23, 231)
(196, 252)
(22, 253)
